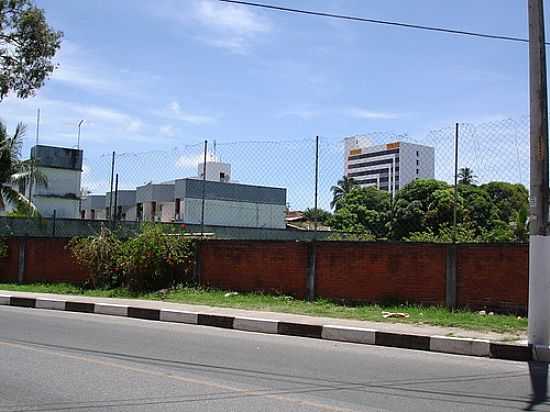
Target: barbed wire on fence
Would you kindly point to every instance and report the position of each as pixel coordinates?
(496, 151)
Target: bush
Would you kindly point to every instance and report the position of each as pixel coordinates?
(158, 257)
(99, 254)
(155, 258)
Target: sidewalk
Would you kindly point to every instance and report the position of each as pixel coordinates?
(398, 328)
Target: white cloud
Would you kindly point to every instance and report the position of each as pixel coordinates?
(189, 161)
(370, 114)
(175, 112)
(231, 17)
(168, 131)
(84, 79)
(228, 26)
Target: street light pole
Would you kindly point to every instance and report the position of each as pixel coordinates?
(539, 242)
(78, 137)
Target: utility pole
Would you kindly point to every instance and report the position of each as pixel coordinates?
(539, 242)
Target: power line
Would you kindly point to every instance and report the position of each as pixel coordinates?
(375, 21)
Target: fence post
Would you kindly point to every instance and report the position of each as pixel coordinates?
(203, 186)
(111, 192)
(54, 222)
(21, 261)
(456, 182)
(311, 270)
(450, 284)
(316, 200)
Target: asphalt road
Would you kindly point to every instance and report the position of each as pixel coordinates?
(59, 361)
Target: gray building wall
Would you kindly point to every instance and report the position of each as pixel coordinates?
(192, 189)
(162, 192)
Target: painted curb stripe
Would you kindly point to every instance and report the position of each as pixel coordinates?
(83, 307)
(50, 304)
(144, 313)
(397, 340)
(348, 334)
(111, 309)
(256, 325)
(510, 352)
(461, 346)
(23, 302)
(300, 329)
(218, 321)
(179, 316)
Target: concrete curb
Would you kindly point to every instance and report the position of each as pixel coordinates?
(442, 344)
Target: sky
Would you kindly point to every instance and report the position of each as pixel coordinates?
(163, 76)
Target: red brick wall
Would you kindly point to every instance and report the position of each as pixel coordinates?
(9, 264)
(495, 277)
(254, 266)
(46, 260)
(375, 272)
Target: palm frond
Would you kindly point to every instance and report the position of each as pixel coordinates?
(10, 195)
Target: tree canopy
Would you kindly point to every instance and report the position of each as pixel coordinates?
(423, 210)
(27, 47)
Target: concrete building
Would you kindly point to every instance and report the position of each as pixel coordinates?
(230, 204)
(155, 202)
(389, 166)
(62, 168)
(92, 207)
(125, 204)
(215, 171)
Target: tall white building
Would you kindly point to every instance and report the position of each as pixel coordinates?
(390, 166)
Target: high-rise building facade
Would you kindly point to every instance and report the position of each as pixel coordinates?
(389, 166)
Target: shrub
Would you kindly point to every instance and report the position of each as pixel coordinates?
(99, 254)
(158, 257)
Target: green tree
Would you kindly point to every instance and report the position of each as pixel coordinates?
(322, 216)
(362, 210)
(466, 176)
(508, 198)
(15, 172)
(420, 205)
(480, 212)
(344, 186)
(27, 47)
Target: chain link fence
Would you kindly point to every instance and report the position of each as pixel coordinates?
(375, 186)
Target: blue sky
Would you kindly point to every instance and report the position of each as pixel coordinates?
(158, 75)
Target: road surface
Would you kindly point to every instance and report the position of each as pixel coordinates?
(62, 361)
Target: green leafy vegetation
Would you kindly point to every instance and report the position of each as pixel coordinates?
(27, 47)
(423, 211)
(15, 172)
(156, 257)
(3, 248)
(429, 315)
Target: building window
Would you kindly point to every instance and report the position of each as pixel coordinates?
(417, 162)
(417, 153)
(417, 171)
(222, 176)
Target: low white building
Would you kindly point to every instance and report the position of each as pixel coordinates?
(62, 167)
(155, 202)
(230, 204)
(92, 207)
(390, 166)
(125, 203)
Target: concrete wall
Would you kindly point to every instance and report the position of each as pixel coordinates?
(226, 213)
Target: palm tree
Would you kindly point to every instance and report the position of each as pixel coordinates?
(343, 187)
(466, 176)
(15, 172)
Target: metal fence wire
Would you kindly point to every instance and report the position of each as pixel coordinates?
(374, 186)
